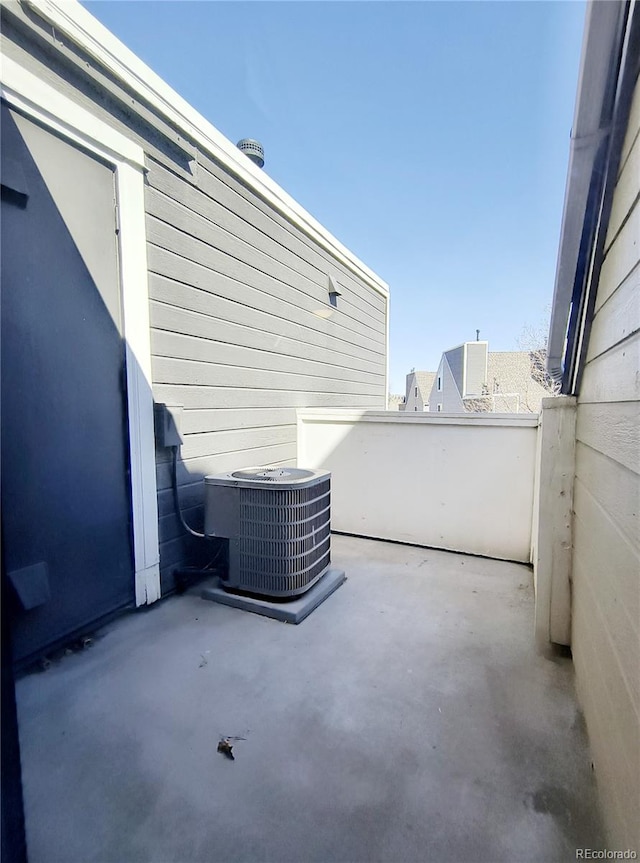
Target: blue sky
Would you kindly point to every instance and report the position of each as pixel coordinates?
(431, 138)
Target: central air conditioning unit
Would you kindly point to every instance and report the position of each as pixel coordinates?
(278, 523)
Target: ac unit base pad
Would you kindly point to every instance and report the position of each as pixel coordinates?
(292, 611)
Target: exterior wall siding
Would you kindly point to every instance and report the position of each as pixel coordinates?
(455, 359)
(449, 396)
(606, 555)
(418, 387)
(242, 330)
(413, 402)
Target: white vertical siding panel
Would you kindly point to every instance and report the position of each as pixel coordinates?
(606, 558)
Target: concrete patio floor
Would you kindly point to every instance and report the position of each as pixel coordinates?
(409, 718)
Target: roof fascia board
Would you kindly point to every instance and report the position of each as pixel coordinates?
(470, 342)
(71, 18)
(604, 24)
(29, 94)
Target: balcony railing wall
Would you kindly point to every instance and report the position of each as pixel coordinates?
(458, 482)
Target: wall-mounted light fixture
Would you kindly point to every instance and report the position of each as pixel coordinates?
(334, 293)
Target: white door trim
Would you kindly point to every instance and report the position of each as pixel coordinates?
(24, 91)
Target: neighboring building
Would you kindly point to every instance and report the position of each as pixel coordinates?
(419, 385)
(146, 259)
(513, 381)
(395, 402)
(594, 350)
(472, 378)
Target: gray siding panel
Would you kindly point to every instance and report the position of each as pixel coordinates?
(448, 396)
(455, 358)
(235, 300)
(180, 346)
(191, 372)
(252, 330)
(203, 397)
(198, 421)
(184, 227)
(193, 470)
(223, 204)
(275, 224)
(242, 330)
(183, 259)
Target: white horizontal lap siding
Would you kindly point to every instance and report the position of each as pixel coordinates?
(606, 557)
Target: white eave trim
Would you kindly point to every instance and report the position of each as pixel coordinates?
(88, 33)
(32, 96)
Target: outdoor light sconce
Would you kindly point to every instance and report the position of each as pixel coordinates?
(334, 293)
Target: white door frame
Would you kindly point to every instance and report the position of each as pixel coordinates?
(23, 90)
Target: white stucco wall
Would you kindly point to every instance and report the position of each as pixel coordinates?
(459, 482)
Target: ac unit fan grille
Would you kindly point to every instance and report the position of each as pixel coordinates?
(283, 583)
(278, 549)
(283, 499)
(285, 537)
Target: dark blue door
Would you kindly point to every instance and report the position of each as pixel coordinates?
(66, 511)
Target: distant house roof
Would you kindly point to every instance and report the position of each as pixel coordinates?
(510, 373)
(395, 401)
(515, 381)
(424, 382)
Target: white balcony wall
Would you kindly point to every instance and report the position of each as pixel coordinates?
(458, 482)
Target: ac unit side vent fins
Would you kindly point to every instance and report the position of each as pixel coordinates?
(279, 525)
